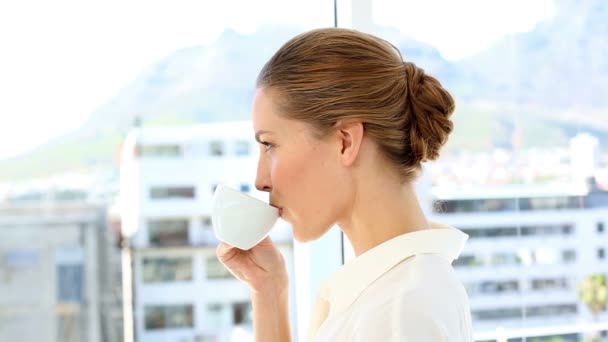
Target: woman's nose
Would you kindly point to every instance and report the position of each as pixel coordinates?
(262, 182)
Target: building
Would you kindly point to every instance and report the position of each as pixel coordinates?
(529, 249)
(52, 284)
(584, 156)
(168, 175)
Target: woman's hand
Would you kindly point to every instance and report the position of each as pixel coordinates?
(262, 267)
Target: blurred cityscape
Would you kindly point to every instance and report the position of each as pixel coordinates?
(70, 243)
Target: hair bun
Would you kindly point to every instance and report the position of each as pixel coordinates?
(428, 109)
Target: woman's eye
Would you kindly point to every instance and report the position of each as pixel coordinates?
(267, 145)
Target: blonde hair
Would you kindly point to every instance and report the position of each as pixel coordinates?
(332, 74)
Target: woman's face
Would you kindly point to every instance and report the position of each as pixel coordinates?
(303, 174)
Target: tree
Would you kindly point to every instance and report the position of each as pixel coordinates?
(593, 291)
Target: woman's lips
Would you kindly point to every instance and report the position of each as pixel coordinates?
(276, 206)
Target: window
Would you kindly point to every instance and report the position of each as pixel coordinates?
(216, 148)
(532, 311)
(69, 195)
(552, 310)
(474, 205)
(543, 284)
(168, 232)
(524, 231)
(569, 256)
(491, 232)
(507, 204)
(70, 280)
(546, 230)
(527, 257)
(157, 270)
(550, 203)
(513, 122)
(505, 259)
(567, 229)
(178, 192)
(159, 150)
(216, 270)
(601, 255)
(168, 316)
(242, 148)
(207, 234)
(242, 313)
(493, 287)
(468, 260)
(206, 221)
(497, 314)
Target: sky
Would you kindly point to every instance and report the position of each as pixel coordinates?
(60, 60)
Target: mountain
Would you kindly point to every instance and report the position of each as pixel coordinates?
(194, 84)
(545, 85)
(561, 67)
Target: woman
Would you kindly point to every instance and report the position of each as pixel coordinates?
(344, 125)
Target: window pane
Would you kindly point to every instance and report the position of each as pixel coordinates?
(70, 282)
(242, 313)
(169, 232)
(216, 270)
(159, 150)
(544, 284)
(492, 288)
(172, 192)
(155, 317)
(167, 269)
(216, 148)
(179, 316)
(168, 317)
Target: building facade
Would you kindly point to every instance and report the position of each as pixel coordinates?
(51, 287)
(530, 247)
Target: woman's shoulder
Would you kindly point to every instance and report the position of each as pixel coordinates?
(425, 282)
(421, 297)
(422, 280)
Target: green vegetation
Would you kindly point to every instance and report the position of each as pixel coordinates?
(593, 291)
(74, 155)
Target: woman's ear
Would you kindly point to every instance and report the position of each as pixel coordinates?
(350, 135)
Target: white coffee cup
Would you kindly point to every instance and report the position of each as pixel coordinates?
(239, 219)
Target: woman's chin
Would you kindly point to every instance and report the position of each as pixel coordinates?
(304, 235)
(297, 235)
(303, 239)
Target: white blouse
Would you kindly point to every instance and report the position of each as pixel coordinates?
(404, 289)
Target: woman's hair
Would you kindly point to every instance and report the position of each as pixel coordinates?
(326, 75)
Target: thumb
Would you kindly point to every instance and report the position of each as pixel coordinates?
(267, 241)
(225, 251)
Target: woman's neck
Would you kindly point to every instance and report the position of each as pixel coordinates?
(380, 211)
